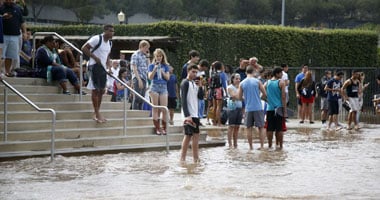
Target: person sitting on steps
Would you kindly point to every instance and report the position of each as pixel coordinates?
(47, 61)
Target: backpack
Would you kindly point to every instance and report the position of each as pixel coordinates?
(321, 89)
(85, 57)
(306, 92)
(215, 80)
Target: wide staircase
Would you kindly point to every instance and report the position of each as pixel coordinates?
(29, 132)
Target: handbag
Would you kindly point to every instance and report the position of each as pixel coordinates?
(346, 106)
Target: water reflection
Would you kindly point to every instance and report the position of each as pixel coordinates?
(313, 165)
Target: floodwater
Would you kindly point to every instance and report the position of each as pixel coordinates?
(312, 165)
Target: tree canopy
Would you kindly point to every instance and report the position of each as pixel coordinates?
(330, 13)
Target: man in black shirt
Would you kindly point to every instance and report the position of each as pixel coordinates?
(13, 22)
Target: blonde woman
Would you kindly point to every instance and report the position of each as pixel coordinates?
(158, 73)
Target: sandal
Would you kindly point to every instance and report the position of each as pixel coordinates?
(158, 132)
(163, 132)
(9, 74)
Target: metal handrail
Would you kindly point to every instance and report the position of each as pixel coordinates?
(71, 45)
(146, 101)
(52, 150)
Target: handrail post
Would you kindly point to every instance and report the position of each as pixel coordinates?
(52, 149)
(167, 126)
(80, 76)
(125, 112)
(5, 114)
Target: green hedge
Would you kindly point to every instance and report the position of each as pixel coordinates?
(273, 45)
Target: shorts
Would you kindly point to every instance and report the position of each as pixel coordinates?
(218, 93)
(172, 102)
(354, 103)
(235, 116)
(159, 88)
(274, 122)
(307, 100)
(333, 107)
(324, 104)
(98, 77)
(190, 130)
(11, 46)
(254, 118)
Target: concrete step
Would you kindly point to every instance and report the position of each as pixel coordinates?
(104, 149)
(102, 130)
(23, 106)
(45, 145)
(26, 81)
(73, 123)
(33, 89)
(47, 97)
(70, 114)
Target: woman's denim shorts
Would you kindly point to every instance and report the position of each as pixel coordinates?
(160, 89)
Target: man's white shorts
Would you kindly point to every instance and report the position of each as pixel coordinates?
(354, 103)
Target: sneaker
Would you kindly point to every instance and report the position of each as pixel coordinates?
(324, 125)
(83, 93)
(66, 92)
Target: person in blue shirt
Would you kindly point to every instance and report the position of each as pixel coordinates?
(275, 88)
(158, 73)
(250, 89)
(193, 59)
(297, 81)
(172, 94)
(26, 50)
(333, 88)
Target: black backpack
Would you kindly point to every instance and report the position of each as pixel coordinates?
(85, 57)
(215, 81)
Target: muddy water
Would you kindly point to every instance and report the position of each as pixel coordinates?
(312, 165)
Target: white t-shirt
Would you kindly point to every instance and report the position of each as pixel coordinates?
(284, 78)
(102, 52)
(110, 80)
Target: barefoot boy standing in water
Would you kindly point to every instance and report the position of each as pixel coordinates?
(189, 102)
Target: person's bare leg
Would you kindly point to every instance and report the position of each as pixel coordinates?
(249, 137)
(195, 147)
(270, 138)
(100, 97)
(95, 102)
(8, 66)
(63, 85)
(171, 115)
(280, 137)
(235, 135)
(185, 146)
(229, 136)
(349, 120)
(262, 137)
(303, 111)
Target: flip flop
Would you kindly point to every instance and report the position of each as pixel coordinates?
(9, 74)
